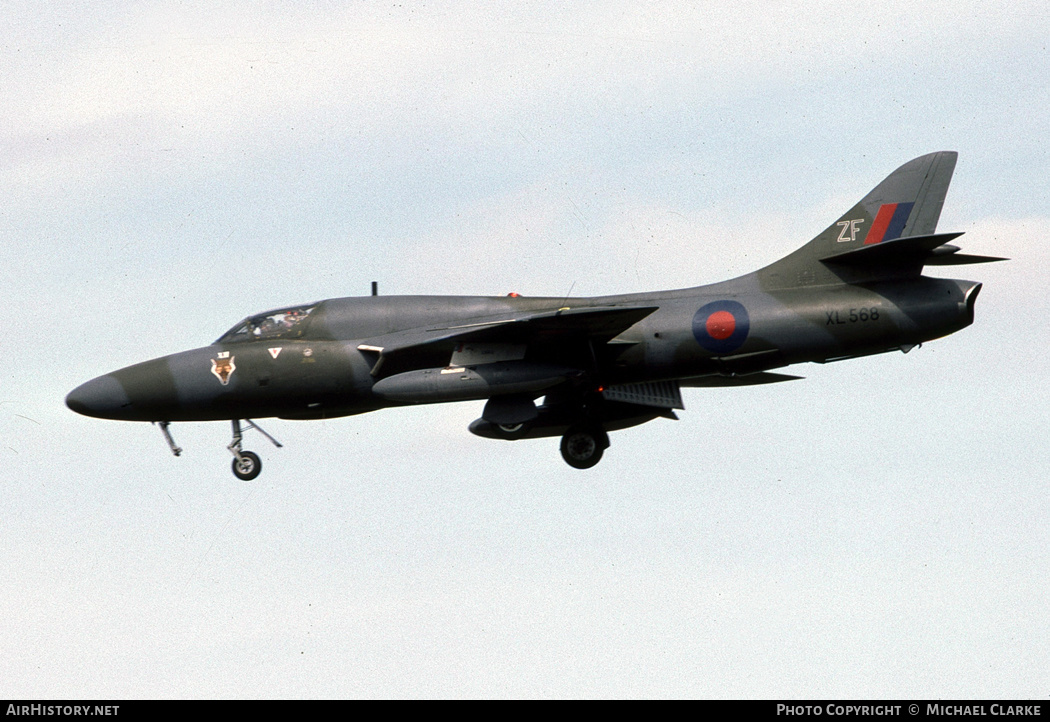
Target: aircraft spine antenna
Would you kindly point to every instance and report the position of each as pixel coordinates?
(566, 299)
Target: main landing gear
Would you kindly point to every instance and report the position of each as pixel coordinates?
(582, 447)
(246, 464)
(584, 432)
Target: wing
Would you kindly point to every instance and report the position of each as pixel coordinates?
(569, 336)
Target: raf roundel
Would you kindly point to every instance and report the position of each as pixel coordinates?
(721, 326)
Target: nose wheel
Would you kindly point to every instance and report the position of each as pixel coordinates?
(247, 465)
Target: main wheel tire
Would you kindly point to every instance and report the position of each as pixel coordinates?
(247, 466)
(512, 432)
(583, 448)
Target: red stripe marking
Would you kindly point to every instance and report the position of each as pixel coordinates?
(880, 224)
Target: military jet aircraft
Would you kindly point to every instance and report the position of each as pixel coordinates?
(599, 364)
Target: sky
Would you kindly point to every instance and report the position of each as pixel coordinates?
(876, 530)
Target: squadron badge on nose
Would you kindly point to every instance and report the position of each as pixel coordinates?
(223, 367)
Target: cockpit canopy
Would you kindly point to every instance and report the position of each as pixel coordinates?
(287, 323)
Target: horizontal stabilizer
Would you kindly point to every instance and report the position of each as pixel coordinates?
(909, 248)
(913, 251)
(960, 259)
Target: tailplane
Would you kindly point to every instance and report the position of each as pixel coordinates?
(889, 233)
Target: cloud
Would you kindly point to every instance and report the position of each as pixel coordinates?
(240, 79)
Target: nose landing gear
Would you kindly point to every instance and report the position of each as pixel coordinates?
(246, 464)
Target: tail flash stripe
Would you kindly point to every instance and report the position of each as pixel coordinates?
(880, 224)
(900, 219)
(889, 222)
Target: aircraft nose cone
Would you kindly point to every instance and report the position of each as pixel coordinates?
(103, 398)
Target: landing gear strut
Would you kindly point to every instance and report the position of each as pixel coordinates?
(246, 464)
(582, 447)
(167, 437)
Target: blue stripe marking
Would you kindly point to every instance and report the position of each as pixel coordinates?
(899, 220)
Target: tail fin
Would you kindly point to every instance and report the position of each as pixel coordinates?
(907, 204)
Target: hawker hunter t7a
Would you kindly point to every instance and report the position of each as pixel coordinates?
(577, 368)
